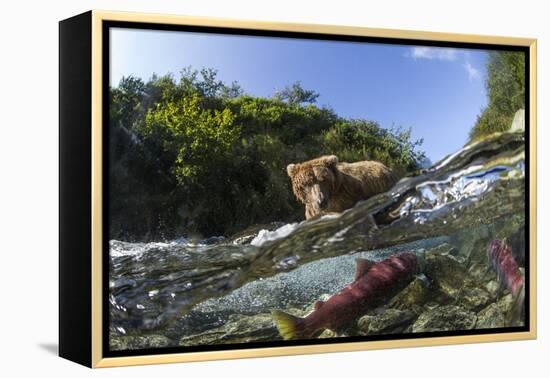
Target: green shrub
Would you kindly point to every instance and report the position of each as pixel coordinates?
(194, 156)
(505, 85)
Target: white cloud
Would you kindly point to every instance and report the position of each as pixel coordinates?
(473, 73)
(439, 53)
(448, 55)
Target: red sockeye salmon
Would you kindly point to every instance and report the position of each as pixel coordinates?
(503, 261)
(374, 285)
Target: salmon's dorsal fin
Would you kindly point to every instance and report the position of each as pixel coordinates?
(317, 305)
(363, 266)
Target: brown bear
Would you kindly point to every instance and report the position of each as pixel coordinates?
(325, 185)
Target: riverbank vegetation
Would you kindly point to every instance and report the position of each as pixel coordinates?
(191, 155)
(505, 85)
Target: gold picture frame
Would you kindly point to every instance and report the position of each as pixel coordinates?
(91, 328)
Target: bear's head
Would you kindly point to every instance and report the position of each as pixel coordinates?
(313, 182)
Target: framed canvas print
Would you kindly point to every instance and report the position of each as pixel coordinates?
(235, 189)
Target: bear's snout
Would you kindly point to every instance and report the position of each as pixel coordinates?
(318, 197)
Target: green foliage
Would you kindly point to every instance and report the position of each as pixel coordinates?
(194, 156)
(206, 84)
(126, 100)
(296, 95)
(354, 140)
(197, 137)
(506, 91)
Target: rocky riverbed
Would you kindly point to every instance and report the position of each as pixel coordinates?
(459, 290)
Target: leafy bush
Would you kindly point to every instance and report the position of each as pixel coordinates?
(198, 138)
(194, 156)
(355, 140)
(506, 91)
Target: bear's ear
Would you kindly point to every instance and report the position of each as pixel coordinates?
(290, 169)
(331, 160)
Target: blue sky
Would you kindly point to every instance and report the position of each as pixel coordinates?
(436, 91)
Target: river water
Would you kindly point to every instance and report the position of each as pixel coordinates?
(163, 293)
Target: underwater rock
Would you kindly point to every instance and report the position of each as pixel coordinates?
(445, 318)
(117, 342)
(196, 322)
(390, 321)
(239, 329)
(452, 278)
(518, 123)
(443, 249)
(495, 315)
(478, 267)
(328, 334)
(412, 297)
(494, 288)
(448, 275)
(474, 298)
(465, 241)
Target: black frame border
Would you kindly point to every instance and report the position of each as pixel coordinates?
(75, 201)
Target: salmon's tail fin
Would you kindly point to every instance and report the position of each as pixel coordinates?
(290, 327)
(516, 316)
